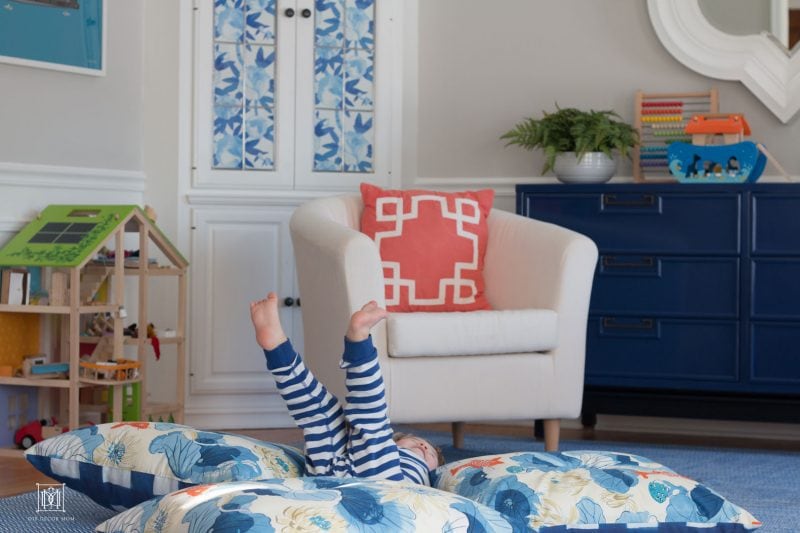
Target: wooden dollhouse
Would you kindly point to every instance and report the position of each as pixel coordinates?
(81, 253)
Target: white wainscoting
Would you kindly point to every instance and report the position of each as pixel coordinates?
(240, 250)
(27, 189)
(505, 196)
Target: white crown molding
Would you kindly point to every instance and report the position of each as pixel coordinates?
(502, 186)
(758, 61)
(11, 225)
(229, 198)
(64, 177)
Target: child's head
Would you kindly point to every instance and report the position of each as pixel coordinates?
(431, 454)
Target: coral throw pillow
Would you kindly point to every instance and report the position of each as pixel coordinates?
(432, 246)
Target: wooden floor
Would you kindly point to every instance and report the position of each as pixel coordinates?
(19, 476)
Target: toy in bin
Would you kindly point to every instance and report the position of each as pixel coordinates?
(37, 431)
(733, 161)
(118, 370)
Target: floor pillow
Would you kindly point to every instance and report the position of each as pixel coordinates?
(122, 464)
(309, 504)
(591, 491)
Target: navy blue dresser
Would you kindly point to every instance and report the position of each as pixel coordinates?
(695, 308)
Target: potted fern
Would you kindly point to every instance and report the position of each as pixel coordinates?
(578, 145)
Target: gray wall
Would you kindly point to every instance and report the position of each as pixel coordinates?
(49, 117)
(485, 66)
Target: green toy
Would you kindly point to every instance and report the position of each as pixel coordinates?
(67, 235)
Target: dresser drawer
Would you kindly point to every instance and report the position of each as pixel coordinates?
(776, 353)
(666, 285)
(776, 289)
(661, 350)
(645, 221)
(776, 223)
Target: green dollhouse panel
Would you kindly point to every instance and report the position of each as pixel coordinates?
(65, 235)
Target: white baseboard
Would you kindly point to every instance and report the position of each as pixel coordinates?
(237, 419)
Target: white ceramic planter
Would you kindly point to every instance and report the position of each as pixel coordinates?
(594, 167)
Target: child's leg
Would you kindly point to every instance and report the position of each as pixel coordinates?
(317, 412)
(372, 451)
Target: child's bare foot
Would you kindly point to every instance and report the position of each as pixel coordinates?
(363, 320)
(267, 322)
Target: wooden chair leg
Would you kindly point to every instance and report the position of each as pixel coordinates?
(552, 428)
(458, 435)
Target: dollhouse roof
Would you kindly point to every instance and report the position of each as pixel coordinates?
(717, 124)
(70, 235)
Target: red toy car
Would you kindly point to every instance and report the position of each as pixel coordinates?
(37, 431)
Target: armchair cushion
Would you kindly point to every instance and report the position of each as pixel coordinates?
(474, 333)
(432, 246)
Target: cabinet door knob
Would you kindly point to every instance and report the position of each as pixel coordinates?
(298, 302)
(306, 13)
(288, 301)
(289, 12)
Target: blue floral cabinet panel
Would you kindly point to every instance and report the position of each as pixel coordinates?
(244, 85)
(344, 63)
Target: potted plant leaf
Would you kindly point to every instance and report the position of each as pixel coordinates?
(579, 146)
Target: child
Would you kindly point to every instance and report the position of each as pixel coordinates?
(355, 440)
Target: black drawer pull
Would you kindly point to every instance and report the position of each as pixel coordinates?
(644, 323)
(612, 262)
(644, 200)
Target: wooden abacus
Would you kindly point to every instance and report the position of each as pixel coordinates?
(660, 119)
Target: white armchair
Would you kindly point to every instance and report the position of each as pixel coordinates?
(529, 265)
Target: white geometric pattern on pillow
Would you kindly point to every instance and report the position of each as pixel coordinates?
(467, 212)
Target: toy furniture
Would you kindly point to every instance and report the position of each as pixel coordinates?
(718, 152)
(88, 296)
(705, 127)
(695, 309)
(660, 119)
(529, 265)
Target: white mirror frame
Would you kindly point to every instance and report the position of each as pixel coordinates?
(759, 61)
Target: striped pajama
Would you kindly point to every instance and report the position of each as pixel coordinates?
(350, 441)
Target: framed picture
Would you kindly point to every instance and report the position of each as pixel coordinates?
(67, 35)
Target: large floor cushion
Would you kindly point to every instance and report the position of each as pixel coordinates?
(309, 504)
(471, 333)
(121, 464)
(591, 491)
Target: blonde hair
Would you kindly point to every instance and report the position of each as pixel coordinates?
(439, 455)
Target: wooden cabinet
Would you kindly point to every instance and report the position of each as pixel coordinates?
(64, 242)
(292, 100)
(694, 309)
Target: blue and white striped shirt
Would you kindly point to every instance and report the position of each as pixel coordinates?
(350, 441)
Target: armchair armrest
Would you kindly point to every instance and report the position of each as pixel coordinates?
(335, 261)
(338, 270)
(530, 263)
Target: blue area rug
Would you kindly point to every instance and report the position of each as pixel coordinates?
(80, 514)
(766, 483)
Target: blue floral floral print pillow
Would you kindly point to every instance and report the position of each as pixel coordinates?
(309, 504)
(591, 491)
(122, 464)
